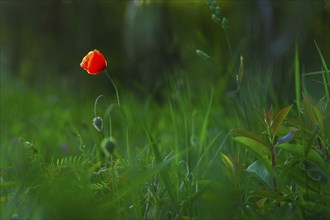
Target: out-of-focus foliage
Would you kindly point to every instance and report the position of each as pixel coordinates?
(144, 41)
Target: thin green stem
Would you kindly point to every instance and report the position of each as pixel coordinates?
(114, 85)
(233, 65)
(274, 165)
(110, 122)
(297, 78)
(95, 104)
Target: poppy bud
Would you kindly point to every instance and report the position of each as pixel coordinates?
(108, 145)
(98, 123)
(94, 62)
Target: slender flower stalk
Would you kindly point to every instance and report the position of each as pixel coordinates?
(95, 104)
(273, 154)
(97, 121)
(114, 85)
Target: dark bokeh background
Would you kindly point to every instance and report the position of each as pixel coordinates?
(43, 42)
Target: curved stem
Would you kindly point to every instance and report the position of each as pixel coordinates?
(114, 85)
(96, 104)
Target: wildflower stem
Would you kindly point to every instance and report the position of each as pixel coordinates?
(273, 165)
(95, 104)
(233, 65)
(114, 85)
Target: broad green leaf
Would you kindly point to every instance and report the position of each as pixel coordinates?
(300, 151)
(253, 145)
(227, 161)
(258, 170)
(324, 198)
(315, 172)
(248, 134)
(264, 192)
(286, 167)
(280, 118)
(298, 175)
(260, 150)
(274, 197)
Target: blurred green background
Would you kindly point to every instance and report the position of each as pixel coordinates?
(150, 47)
(43, 42)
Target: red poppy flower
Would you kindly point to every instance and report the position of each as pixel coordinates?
(94, 62)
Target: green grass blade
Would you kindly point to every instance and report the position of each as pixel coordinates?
(163, 173)
(203, 134)
(314, 73)
(175, 131)
(297, 78)
(134, 185)
(204, 158)
(325, 74)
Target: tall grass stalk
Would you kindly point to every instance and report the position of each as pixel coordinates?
(297, 78)
(163, 173)
(175, 134)
(203, 134)
(325, 74)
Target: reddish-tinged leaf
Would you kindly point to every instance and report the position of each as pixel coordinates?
(269, 114)
(280, 118)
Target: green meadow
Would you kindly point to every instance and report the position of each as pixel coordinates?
(218, 129)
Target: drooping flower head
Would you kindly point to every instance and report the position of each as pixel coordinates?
(98, 123)
(108, 146)
(94, 62)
